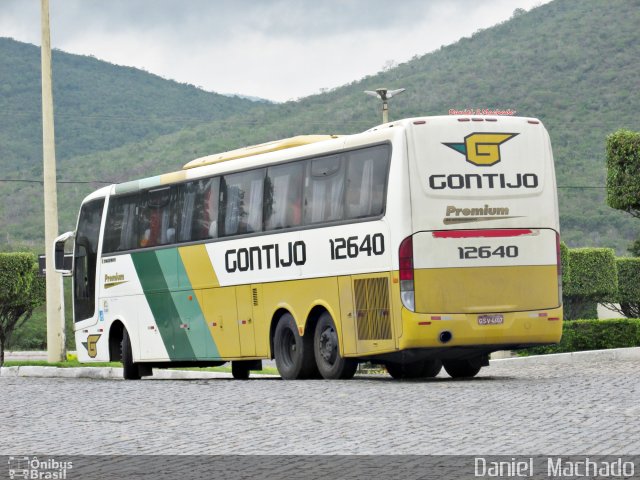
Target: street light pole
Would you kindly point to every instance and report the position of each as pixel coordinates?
(55, 311)
(384, 94)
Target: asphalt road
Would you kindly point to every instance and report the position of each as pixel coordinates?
(512, 408)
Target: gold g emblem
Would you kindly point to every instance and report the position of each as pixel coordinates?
(92, 345)
(482, 149)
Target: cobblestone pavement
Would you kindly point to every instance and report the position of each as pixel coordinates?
(512, 408)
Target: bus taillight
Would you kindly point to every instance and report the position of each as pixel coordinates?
(559, 267)
(407, 292)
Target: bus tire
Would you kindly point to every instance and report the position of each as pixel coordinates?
(326, 349)
(466, 368)
(428, 368)
(431, 368)
(293, 353)
(130, 370)
(240, 370)
(405, 371)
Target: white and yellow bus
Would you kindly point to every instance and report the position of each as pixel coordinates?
(419, 243)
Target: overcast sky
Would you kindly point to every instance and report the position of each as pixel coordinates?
(274, 49)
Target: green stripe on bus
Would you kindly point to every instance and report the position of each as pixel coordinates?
(162, 305)
(168, 259)
(191, 313)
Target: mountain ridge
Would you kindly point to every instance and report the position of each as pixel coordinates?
(571, 64)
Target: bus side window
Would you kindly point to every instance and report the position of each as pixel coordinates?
(120, 228)
(242, 206)
(366, 179)
(199, 210)
(283, 196)
(157, 218)
(324, 190)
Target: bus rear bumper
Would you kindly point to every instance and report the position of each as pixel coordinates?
(459, 330)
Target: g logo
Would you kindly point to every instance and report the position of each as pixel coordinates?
(482, 149)
(91, 345)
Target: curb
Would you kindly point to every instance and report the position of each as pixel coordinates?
(112, 373)
(591, 356)
(613, 354)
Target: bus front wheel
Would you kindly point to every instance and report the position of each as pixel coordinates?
(130, 370)
(293, 353)
(326, 349)
(240, 370)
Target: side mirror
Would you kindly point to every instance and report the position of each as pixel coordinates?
(63, 263)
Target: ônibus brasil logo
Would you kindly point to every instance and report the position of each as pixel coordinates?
(481, 149)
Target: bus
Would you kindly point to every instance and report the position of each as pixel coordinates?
(419, 244)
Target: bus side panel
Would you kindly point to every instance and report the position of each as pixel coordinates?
(347, 319)
(260, 321)
(299, 297)
(122, 298)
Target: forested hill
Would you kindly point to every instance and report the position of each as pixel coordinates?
(98, 106)
(572, 64)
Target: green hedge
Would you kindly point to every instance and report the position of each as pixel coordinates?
(628, 279)
(582, 335)
(564, 262)
(629, 285)
(592, 273)
(589, 277)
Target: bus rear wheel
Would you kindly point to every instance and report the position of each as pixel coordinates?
(130, 370)
(326, 349)
(428, 368)
(293, 353)
(465, 368)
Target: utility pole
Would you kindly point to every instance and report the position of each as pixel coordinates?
(384, 94)
(55, 307)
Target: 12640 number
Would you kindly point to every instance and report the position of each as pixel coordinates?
(351, 247)
(468, 253)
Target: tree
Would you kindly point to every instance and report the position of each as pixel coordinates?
(628, 296)
(21, 291)
(623, 174)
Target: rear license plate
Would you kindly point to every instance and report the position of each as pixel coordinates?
(490, 319)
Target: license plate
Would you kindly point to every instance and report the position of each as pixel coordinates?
(490, 319)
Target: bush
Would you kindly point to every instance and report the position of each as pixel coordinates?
(591, 279)
(623, 171)
(581, 335)
(575, 307)
(21, 291)
(629, 286)
(592, 273)
(564, 262)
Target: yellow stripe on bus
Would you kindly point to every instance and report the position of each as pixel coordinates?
(198, 267)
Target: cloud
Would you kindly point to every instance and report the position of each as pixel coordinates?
(278, 49)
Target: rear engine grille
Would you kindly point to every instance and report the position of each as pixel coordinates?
(372, 308)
